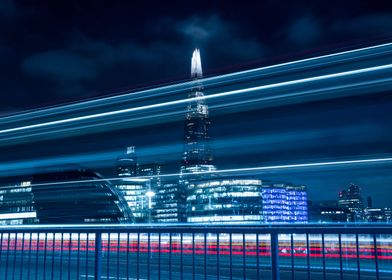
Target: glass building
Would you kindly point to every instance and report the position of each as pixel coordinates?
(224, 200)
(16, 202)
(138, 184)
(61, 196)
(284, 203)
(352, 200)
(170, 203)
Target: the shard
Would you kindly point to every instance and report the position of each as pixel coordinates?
(197, 154)
(196, 71)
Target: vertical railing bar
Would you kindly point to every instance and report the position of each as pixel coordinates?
(292, 256)
(275, 255)
(217, 255)
(181, 256)
(118, 255)
(193, 256)
(258, 256)
(205, 256)
(22, 257)
(137, 254)
(127, 254)
(98, 256)
(108, 256)
(243, 255)
(231, 254)
(170, 255)
(376, 256)
(87, 252)
(159, 256)
(7, 256)
(148, 255)
(15, 247)
(45, 248)
(36, 257)
(308, 254)
(340, 256)
(323, 252)
(1, 245)
(181, 261)
(29, 261)
(61, 255)
(69, 255)
(53, 252)
(357, 252)
(78, 258)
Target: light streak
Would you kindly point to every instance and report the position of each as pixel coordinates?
(172, 88)
(140, 179)
(212, 96)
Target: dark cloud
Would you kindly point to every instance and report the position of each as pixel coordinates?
(59, 65)
(304, 30)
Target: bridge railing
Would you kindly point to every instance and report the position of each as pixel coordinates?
(188, 251)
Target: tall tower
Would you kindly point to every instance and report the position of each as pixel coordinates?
(197, 154)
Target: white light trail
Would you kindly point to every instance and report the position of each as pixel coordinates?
(212, 96)
(172, 88)
(141, 179)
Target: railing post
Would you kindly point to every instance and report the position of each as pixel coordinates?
(98, 256)
(275, 256)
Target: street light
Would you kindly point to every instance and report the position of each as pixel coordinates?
(149, 194)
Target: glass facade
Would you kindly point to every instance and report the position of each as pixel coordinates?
(224, 200)
(170, 203)
(352, 200)
(16, 203)
(61, 197)
(284, 203)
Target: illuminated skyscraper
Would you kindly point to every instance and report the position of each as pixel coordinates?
(197, 155)
(133, 189)
(352, 200)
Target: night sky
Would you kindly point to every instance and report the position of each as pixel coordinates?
(54, 52)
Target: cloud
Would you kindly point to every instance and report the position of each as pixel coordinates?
(60, 65)
(375, 24)
(220, 36)
(304, 31)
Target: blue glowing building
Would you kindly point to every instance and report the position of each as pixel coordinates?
(284, 203)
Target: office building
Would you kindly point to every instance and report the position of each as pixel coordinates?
(170, 203)
(225, 200)
(284, 203)
(352, 200)
(61, 196)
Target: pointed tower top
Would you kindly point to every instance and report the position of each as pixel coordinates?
(196, 71)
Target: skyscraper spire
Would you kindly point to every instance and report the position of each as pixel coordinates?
(197, 155)
(196, 71)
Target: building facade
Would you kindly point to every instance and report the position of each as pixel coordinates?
(225, 200)
(170, 203)
(61, 196)
(352, 200)
(284, 203)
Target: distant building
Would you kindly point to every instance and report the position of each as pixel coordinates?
(126, 165)
(377, 215)
(61, 196)
(225, 200)
(170, 203)
(139, 184)
(284, 203)
(352, 200)
(326, 211)
(17, 202)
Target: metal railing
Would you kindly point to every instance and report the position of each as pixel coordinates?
(196, 252)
